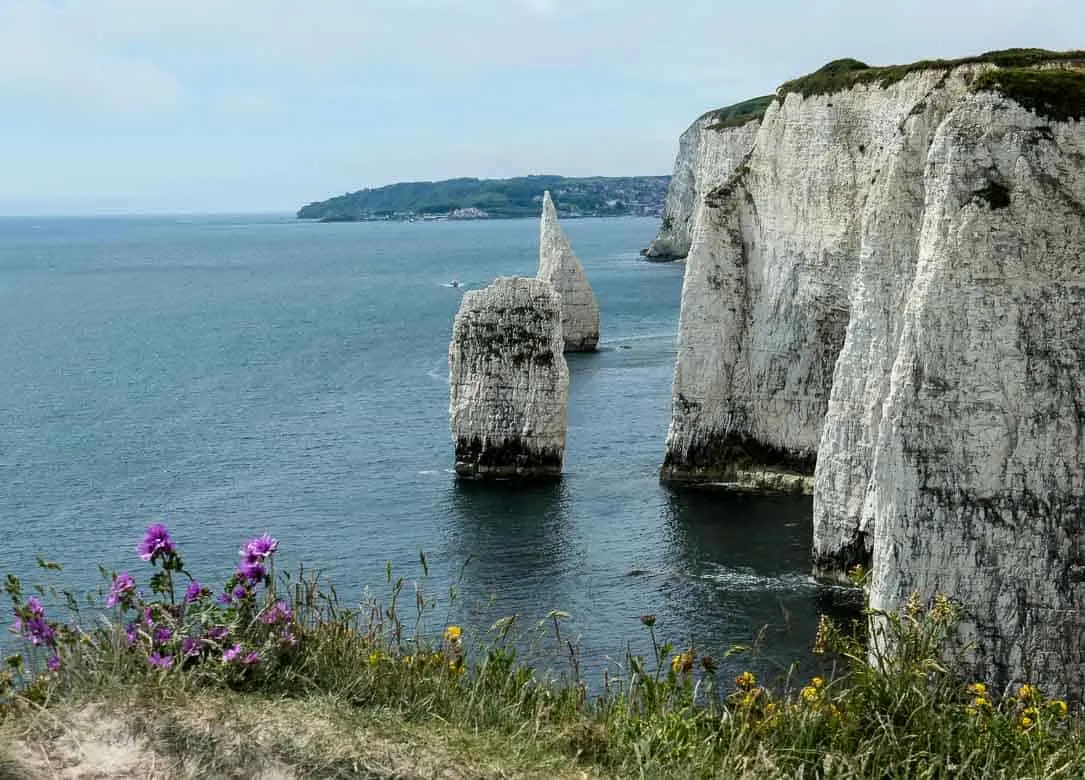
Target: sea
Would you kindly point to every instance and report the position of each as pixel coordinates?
(235, 375)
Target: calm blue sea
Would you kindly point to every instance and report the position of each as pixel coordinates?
(235, 375)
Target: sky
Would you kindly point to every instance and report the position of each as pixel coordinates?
(118, 106)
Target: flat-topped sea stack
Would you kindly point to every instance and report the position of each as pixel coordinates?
(508, 382)
(884, 303)
(561, 268)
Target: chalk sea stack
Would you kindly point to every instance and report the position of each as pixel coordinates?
(561, 268)
(884, 301)
(508, 382)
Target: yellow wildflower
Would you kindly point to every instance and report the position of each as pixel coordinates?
(1027, 691)
(1058, 706)
(942, 609)
(374, 659)
(914, 607)
(1026, 722)
(978, 689)
(809, 694)
(453, 634)
(746, 681)
(682, 663)
(817, 682)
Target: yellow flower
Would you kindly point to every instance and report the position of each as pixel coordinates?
(746, 681)
(981, 702)
(374, 659)
(978, 688)
(1027, 692)
(749, 699)
(682, 663)
(453, 634)
(817, 682)
(942, 609)
(1026, 722)
(809, 694)
(1058, 706)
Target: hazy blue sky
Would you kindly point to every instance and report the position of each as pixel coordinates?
(218, 105)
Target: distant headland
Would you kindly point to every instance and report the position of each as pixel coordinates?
(595, 196)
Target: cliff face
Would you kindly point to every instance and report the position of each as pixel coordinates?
(978, 486)
(561, 268)
(708, 154)
(880, 305)
(508, 381)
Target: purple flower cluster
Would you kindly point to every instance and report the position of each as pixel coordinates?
(195, 591)
(31, 625)
(279, 612)
(237, 655)
(121, 591)
(254, 557)
(156, 543)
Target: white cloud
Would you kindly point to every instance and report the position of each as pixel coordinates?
(44, 56)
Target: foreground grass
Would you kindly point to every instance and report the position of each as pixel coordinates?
(279, 679)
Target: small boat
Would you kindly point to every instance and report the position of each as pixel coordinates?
(454, 283)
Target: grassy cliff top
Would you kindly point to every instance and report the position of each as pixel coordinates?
(840, 75)
(738, 114)
(1056, 94)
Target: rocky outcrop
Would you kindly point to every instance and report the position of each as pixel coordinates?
(508, 381)
(561, 268)
(884, 301)
(709, 151)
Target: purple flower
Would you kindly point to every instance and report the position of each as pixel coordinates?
(225, 599)
(288, 638)
(251, 658)
(191, 647)
(31, 624)
(161, 661)
(156, 542)
(148, 617)
(53, 664)
(239, 592)
(232, 654)
(217, 633)
(162, 635)
(261, 548)
(252, 569)
(121, 590)
(131, 633)
(279, 612)
(194, 592)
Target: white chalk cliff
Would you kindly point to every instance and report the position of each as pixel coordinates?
(886, 304)
(559, 266)
(709, 151)
(508, 381)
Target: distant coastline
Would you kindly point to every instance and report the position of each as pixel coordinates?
(474, 199)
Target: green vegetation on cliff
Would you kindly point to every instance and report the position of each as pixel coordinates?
(844, 74)
(496, 198)
(738, 114)
(1057, 94)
